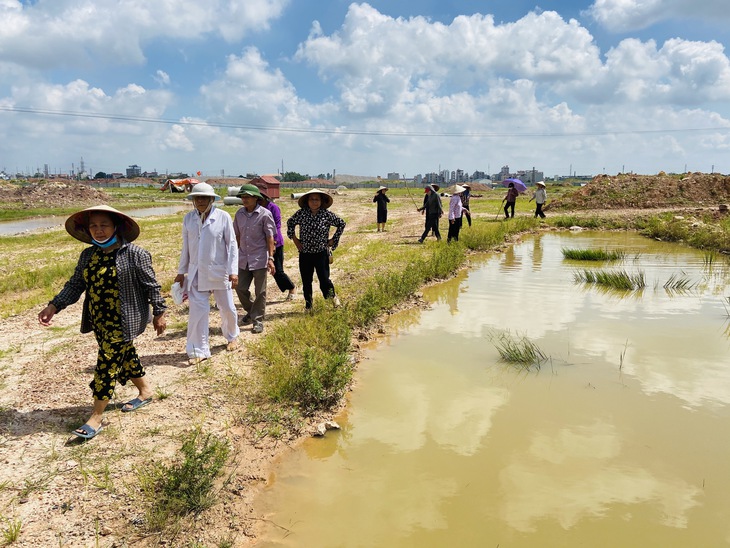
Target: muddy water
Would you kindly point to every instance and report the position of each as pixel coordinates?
(620, 439)
(8, 228)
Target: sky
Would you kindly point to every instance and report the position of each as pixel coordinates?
(230, 87)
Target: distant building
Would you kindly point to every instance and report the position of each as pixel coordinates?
(134, 171)
(393, 176)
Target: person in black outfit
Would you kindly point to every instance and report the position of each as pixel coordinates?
(433, 210)
(382, 200)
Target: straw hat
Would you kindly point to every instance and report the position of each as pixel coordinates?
(249, 190)
(436, 187)
(458, 189)
(466, 185)
(203, 189)
(78, 224)
(540, 183)
(326, 198)
(381, 187)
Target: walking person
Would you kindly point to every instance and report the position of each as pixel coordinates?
(255, 230)
(208, 264)
(433, 210)
(382, 202)
(456, 210)
(465, 197)
(540, 197)
(314, 242)
(281, 278)
(119, 285)
(510, 200)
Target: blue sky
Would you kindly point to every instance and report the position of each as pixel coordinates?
(241, 86)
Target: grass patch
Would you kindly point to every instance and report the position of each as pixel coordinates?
(517, 350)
(616, 279)
(577, 254)
(11, 531)
(678, 282)
(186, 486)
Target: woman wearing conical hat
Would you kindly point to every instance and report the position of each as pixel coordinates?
(382, 212)
(119, 285)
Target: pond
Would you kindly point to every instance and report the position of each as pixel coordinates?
(8, 228)
(620, 435)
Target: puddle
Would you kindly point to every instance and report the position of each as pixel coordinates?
(620, 436)
(9, 228)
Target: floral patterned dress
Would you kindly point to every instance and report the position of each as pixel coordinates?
(117, 360)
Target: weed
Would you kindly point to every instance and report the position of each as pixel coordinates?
(11, 532)
(678, 283)
(517, 350)
(162, 393)
(593, 254)
(185, 486)
(619, 279)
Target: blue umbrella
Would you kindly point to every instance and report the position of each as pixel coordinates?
(519, 185)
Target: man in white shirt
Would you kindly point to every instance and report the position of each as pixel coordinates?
(210, 259)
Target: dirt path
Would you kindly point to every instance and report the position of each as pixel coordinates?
(75, 495)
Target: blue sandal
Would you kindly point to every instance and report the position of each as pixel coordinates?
(86, 431)
(133, 405)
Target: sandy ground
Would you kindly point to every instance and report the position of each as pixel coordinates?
(71, 494)
(77, 495)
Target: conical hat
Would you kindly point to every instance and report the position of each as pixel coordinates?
(78, 224)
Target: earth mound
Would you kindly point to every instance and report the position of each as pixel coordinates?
(648, 191)
(55, 193)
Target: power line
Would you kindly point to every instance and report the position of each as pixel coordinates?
(341, 131)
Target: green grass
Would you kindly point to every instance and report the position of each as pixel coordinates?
(184, 486)
(593, 254)
(11, 531)
(615, 279)
(678, 282)
(517, 350)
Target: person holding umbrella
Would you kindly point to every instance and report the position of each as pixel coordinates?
(510, 200)
(382, 212)
(540, 197)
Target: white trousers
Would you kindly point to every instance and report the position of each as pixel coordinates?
(198, 322)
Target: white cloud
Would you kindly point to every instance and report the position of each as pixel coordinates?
(81, 32)
(627, 15)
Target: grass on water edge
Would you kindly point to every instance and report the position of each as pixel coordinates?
(614, 279)
(577, 254)
(517, 350)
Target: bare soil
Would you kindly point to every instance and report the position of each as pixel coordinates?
(68, 494)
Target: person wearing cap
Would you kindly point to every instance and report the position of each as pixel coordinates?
(255, 230)
(382, 202)
(433, 210)
(465, 196)
(456, 209)
(540, 197)
(314, 243)
(282, 279)
(208, 264)
(119, 285)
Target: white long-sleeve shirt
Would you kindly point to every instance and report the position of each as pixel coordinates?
(209, 250)
(456, 208)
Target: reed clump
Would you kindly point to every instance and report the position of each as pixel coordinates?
(577, 254)
(517, 350)
(613, 279)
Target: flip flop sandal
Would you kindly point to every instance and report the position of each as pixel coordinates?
(86, 431)
(133, 405)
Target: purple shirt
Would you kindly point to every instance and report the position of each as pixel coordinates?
(276, 214)
(252, 232)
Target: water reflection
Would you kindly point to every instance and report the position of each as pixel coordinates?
(614, 440)
(27, 225)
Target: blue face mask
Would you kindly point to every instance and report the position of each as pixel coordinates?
(106, 243)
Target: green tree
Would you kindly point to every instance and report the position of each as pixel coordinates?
(100, 175)
(293, 177)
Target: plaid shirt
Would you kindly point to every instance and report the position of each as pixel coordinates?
(138, 289)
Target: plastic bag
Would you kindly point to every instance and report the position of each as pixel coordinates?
(178, 293)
